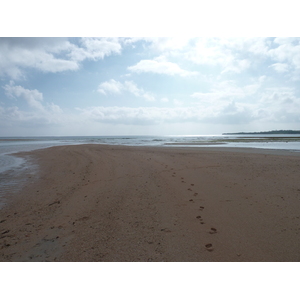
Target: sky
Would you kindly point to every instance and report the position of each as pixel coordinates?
(148, 68)
(148, 86)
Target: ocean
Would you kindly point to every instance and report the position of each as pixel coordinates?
(13, 169)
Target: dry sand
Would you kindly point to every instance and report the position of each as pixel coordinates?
(115, 203)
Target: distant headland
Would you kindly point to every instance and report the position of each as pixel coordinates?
(267, 132)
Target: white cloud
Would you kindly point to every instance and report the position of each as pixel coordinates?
(54, 108)
(230, 113)
(178, 102)
(208, 52)
(279, 95)
(237, 66)
(280, 68)
(30, 121)
(111, 86)
(42, 54)
(254, 45)
(95, 48)
(228, 90)
(233, 55)
(51, 54)
(116, 87)
(288, 53)
(33, 97)
(257, 46)
(136, 115)
(91, 119)
(159, 65)
(280, 105)
(165, 44)
(225, 53)
(228, 103)
(286, 40)
(132, 88)
(40, 114)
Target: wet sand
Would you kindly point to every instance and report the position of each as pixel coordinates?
(116, 203)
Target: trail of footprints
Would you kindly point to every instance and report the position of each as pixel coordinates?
(213, 230)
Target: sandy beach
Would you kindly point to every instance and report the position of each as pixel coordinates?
(117, 204)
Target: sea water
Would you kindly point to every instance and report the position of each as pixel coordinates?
(13, 168)
(11, 145)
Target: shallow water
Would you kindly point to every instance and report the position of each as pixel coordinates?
(10, 145)
(15, 176)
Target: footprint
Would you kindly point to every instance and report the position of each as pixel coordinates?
(201, 207)
(191, 200)
(165, 230)
(195, 194)
(209, 247)
(55, 202)
(213, 230)
(83, 219)
(202, 223)
(198, 217)
(189, 189)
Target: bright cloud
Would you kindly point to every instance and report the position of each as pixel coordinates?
(116, 87)
(33, 97)
(111, 86)
(95, 48)
(40, 113)
(228, 90)
(160, 66)
(229, 114)
(214, 52)
(42, 54)
(280, 68)
(167, 44)
(51, 54)
(288, 52)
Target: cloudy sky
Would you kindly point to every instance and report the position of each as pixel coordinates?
(116, 86)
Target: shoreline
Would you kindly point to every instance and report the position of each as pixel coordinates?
(124, 203)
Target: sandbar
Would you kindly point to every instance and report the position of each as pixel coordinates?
(101, 203)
